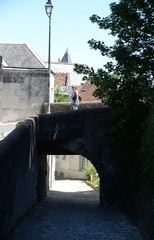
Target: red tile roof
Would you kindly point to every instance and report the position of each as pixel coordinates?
(86, 92)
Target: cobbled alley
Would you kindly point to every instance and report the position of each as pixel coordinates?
(71, 212)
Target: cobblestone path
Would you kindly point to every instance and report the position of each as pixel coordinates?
(71, 212)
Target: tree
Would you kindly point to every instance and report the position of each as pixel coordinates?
(61, 95)
(125, 84)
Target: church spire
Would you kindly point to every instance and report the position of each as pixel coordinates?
(66, 58)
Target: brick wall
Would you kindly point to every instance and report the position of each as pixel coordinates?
(60, 78)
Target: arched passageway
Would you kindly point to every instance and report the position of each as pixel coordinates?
(78, 132)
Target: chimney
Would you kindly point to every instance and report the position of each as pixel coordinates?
(59, 60)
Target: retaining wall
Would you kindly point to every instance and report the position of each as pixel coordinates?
(22, 93)
(19, 175)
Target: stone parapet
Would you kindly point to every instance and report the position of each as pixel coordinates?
(67, 106)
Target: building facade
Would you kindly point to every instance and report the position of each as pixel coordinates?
(23, 82)
(64, 73)
(71, 167)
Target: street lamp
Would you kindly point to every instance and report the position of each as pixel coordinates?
(51, 159)
(48, 8)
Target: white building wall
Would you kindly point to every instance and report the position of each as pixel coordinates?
(74, 78)
(71, 166)
(52, 82)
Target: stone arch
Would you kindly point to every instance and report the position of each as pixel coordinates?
(78, 132)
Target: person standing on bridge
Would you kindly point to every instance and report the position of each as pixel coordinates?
(75, 98)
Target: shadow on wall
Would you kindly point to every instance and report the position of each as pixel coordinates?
(18, 175)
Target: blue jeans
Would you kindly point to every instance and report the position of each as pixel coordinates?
(75, 107)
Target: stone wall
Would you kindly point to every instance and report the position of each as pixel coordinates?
(22, 93)
(67, 106)
(21, 178)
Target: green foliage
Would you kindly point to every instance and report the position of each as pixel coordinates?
(125, 84)
(146, 155)
(142, 181)
(61, 95)
(2, 135)
(90, 171)
(97, 182)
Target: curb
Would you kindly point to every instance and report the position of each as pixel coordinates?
(95, 187)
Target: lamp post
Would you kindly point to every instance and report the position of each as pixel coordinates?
(51, 159)
(48, 8)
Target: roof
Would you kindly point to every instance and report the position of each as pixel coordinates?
(20, 55)
(86, 92)
(66, 58)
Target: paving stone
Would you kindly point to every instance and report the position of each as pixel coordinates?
(71, 211)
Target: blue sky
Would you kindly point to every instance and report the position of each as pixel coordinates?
(27, 22)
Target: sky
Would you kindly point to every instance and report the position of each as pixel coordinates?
(27, 22)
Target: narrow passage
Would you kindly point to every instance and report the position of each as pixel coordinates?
(71, 212)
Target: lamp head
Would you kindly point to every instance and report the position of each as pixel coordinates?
(48, 8)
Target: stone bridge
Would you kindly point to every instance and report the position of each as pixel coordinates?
(23, 162)
(79, 132)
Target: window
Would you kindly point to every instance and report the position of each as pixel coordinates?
(66, 81)
(83, 163)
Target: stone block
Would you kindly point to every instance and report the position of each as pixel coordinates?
(13, 86)
(14, 105)
(10, 98)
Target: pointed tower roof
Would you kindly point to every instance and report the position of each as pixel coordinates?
(66, 58)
